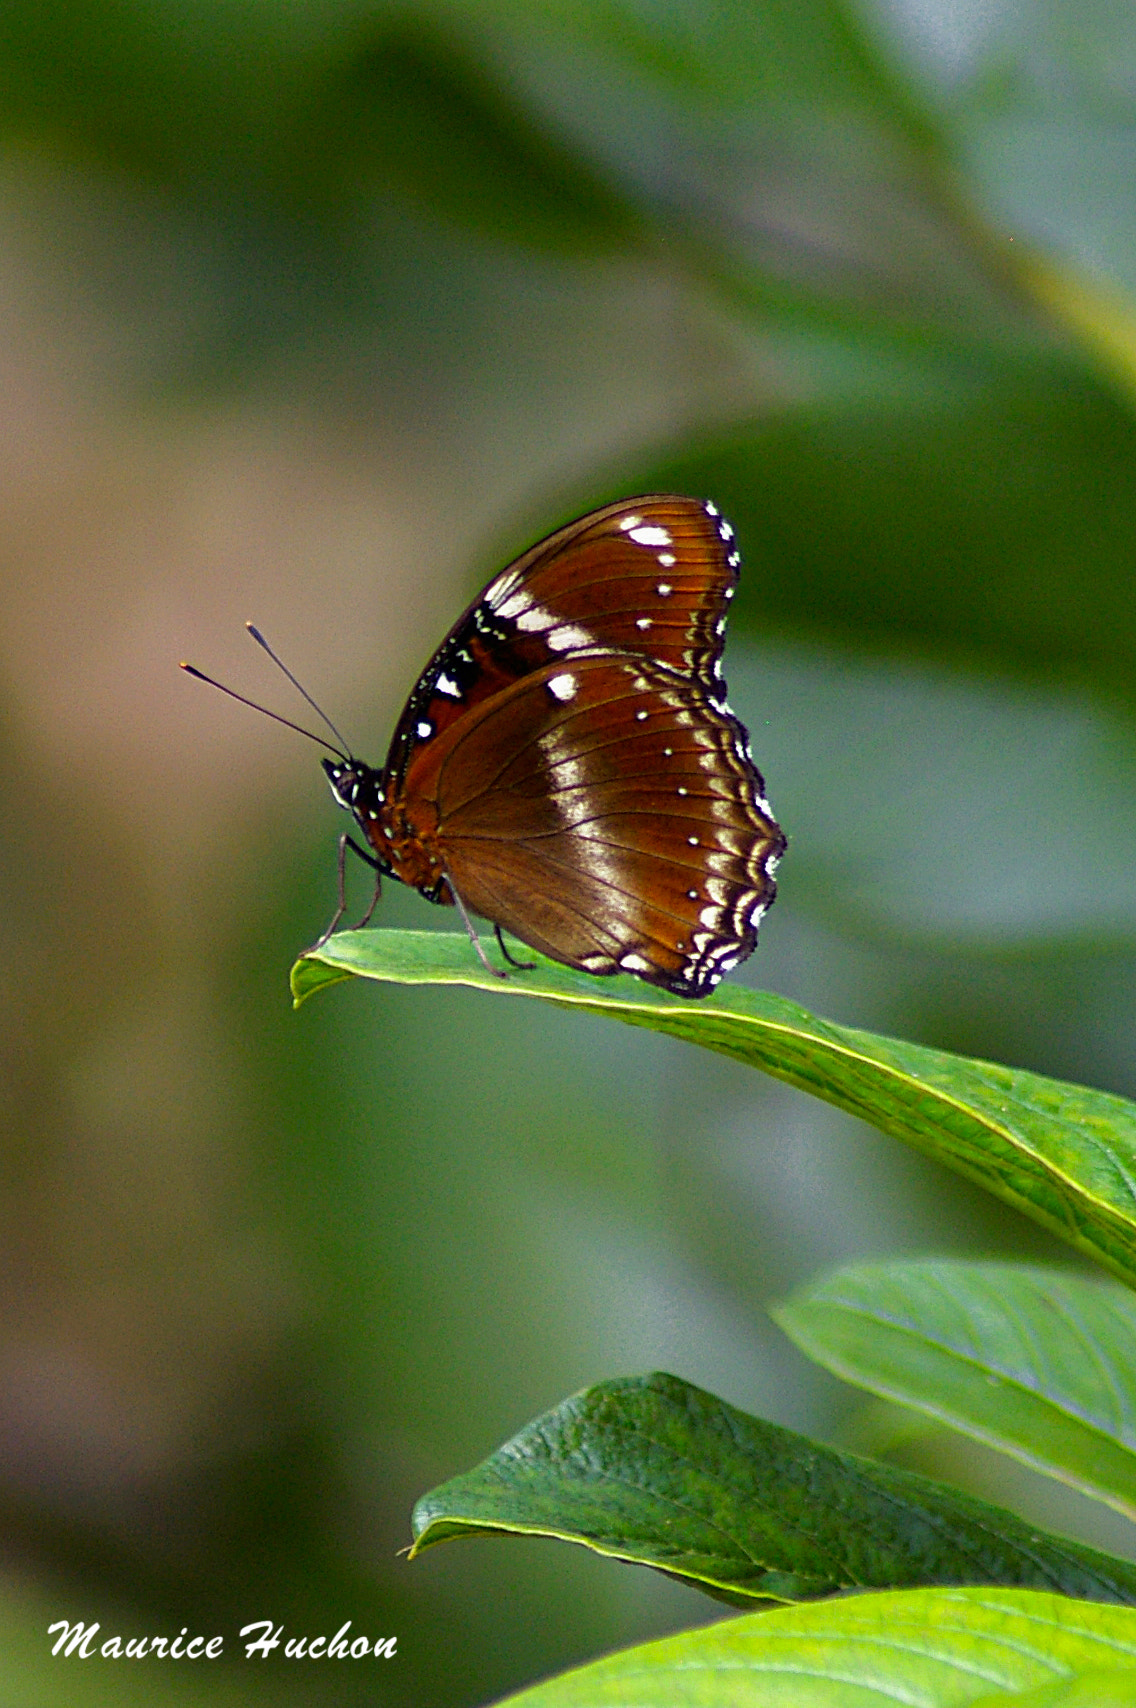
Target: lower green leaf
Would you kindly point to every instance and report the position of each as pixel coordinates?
(921, 1648)
(652, 1470)
(1039, 1364)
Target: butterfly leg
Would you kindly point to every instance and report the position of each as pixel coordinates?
(498, 972)
(374, 902)
(347, 841)
(521, 966)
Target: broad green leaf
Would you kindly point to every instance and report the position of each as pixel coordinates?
(652, 1470)
(743, 126)
(412, 108)
(1040, 1364)
(922, 1648)
(1111, 1688)
(1103, 315)
(307, 114)
(958, 750)
(1024, 533)
(1063, 1154)
(741, 54)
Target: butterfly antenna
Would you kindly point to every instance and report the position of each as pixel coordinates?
(321, 741)
(299, 687)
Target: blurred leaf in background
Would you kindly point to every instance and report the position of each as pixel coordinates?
(314, 315)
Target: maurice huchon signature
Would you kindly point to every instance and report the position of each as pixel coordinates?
(262, 1638)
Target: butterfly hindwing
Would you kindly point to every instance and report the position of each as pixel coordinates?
(608, 814)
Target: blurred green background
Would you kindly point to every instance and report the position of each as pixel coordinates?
(314, 314)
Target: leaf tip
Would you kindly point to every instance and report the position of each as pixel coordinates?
(310, 974)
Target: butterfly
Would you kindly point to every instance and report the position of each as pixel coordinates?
(566, 765)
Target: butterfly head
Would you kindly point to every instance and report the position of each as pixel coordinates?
(356, 787)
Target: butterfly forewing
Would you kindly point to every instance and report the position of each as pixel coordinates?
(651, 576)
(606, 812)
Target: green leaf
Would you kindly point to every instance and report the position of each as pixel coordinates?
(1111, 1688)
(411, 106)
(1039, 1364)
(1102, 315)
(934, 1648)
(1024, 534)
(652, 1470)
(741, 126)
(1063, 1154)
(743, 54)
(892, 866)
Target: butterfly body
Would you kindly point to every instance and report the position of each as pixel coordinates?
(403, 848)
(566, 765)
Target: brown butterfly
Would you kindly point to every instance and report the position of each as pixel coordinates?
(566, 765)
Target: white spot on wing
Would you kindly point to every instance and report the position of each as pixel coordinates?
(711, 509)
(651, 537)
(642, 622)
(425, 730)
(563, 687)
(509, 607)
(446, 685)
(664, 589)
(640, 717)
(532, 617)
(499, 590)
(566, 637)
(635, 963)
(630, 522)
(666, 560)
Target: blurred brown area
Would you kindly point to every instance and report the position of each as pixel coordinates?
(158, 1317)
